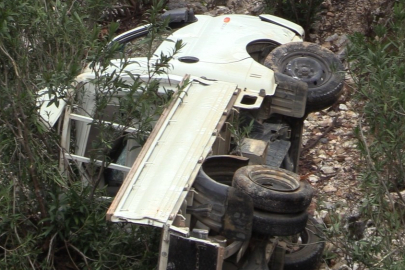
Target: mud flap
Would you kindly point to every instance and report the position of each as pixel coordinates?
(289, 99)
(224, 209)
(238, 217)
(193, 253)
(231, 216)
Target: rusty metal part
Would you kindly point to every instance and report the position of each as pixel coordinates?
(255, 150)
(219, 206)
(259, 257)
(232, 248)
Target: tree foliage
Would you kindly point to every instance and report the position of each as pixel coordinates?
(377, 65)
(49, 219)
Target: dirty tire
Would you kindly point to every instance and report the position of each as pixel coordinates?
(273, 189)
(313, 64)
(309, 256)
(273, 224)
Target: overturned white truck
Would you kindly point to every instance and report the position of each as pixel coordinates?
(224, 202)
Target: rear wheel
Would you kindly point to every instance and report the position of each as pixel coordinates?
(273, 189)
(314, 65)
(272, 224)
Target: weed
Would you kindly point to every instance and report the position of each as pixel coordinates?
(51, 219)
(374, 239)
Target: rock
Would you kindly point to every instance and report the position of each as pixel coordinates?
(329, 189)
(339, 193)
(396, 196)
(327, 26)
(324, 140)
(219, 10)
(311, 117)
(214, 3)
(327, 45)
(343, 40)
(347, 144)
(340, 158)
(352, 114)
(317, 160)
(325, 5)
(323, 214)
(343, 107)
(334, 48)
(197, 7)
(332, 38)
(327, 170)
(341, 54)
(313, 36)
(175, 5)
(235, 4)
(257, 9)
(313, 178)
(328, 205)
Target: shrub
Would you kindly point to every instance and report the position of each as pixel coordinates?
(50, 220)
(377, 66)
(302, 12)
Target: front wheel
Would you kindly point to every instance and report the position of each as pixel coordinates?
(314, 65)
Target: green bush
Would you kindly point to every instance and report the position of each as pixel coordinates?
(302, 12)
(48, 219)
(378, 68)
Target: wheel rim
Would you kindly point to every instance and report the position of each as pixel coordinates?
(308, 69)
(275, 180)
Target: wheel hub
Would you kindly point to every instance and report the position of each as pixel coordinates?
(275, 180)
(306, 69)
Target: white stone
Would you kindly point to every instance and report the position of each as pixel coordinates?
(342, 41)
(332, 38)
(352, 114)
(327, 170)
(313, 178)
(342, 107)
(323, 213)
(326, 123)
(347, 144)
(337, 166)
(329, 189)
